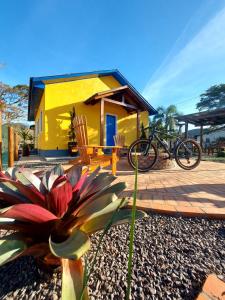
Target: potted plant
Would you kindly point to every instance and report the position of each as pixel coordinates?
(72, 135)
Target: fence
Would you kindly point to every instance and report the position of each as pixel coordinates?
(8, 147)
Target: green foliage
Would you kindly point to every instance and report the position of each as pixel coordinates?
(221, 154)
(143, 133)
(72, 134)
(14, 101)
(54, 213)
(213, 98)
(25, 135)
(165, 121)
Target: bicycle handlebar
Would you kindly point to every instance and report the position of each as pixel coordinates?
(154, 129)
(159, 131)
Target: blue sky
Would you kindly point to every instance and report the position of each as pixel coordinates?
(171, 51)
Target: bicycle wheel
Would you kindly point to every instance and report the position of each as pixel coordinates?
(146, 155)
(188, 154)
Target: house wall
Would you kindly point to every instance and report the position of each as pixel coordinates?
(40, 124)
(212, 136)
(57, 102)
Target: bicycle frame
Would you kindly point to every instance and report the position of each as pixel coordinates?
(165, 146)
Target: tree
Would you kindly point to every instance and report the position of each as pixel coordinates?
(166, 118)
(213, 98)
(13, 101)
(143, 133)
(25, 135)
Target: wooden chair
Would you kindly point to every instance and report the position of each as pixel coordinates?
(90, 154)
(119, 140)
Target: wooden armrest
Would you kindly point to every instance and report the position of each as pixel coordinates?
(102, 147)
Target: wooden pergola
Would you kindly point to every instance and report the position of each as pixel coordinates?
(201, 119)
(124, 96)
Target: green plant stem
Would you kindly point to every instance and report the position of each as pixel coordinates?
(107, 227)
(132, 230)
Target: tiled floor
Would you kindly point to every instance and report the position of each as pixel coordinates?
(200, 192)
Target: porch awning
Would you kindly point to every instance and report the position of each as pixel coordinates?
(205, 118)
(124, 96)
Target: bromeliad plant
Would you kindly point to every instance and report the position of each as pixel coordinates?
(54, 213)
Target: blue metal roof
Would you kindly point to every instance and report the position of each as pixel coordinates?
(37, 85)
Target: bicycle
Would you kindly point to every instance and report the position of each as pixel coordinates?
(185, 150)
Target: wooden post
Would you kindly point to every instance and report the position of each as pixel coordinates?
(10, 147)
(16, 146)
(102, 123)
(201, 136)
(138, 124)
(0, 140)
(186, 130)
(114, 161)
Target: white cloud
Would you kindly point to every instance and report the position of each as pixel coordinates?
(194, 68)
(2, 65)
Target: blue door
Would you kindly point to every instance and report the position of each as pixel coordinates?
(110, 129)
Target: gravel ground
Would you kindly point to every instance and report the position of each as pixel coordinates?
(172, 258)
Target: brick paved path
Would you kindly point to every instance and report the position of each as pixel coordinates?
(200, 192)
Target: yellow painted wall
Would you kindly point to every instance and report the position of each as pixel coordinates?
(58, 100)
(40, 137)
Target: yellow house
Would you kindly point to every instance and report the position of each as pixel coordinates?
(111, 104)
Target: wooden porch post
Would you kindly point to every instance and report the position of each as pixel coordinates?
(201, 136)
(186, 129)
(10, 147)
(102, 131)
(138, 124)
(15, 146)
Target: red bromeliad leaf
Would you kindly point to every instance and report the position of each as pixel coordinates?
(10, 173)
(7, 189)
(25, 227)
(28, 213)
(10, 248)
(51, 176)
(72, 280)
(33, 180)
(74, 175)
(3, 175)
(88, 181)
(11, 199)
(80, 182)
(31, 193)
(58, 181)
(100, 182)
(59, 197)
(37, 250)
(73, 247)
(50, 259)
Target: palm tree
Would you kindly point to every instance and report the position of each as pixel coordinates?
(170, 117)
(165, 121)
(166, 118)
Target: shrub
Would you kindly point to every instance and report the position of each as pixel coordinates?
(221, 154)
